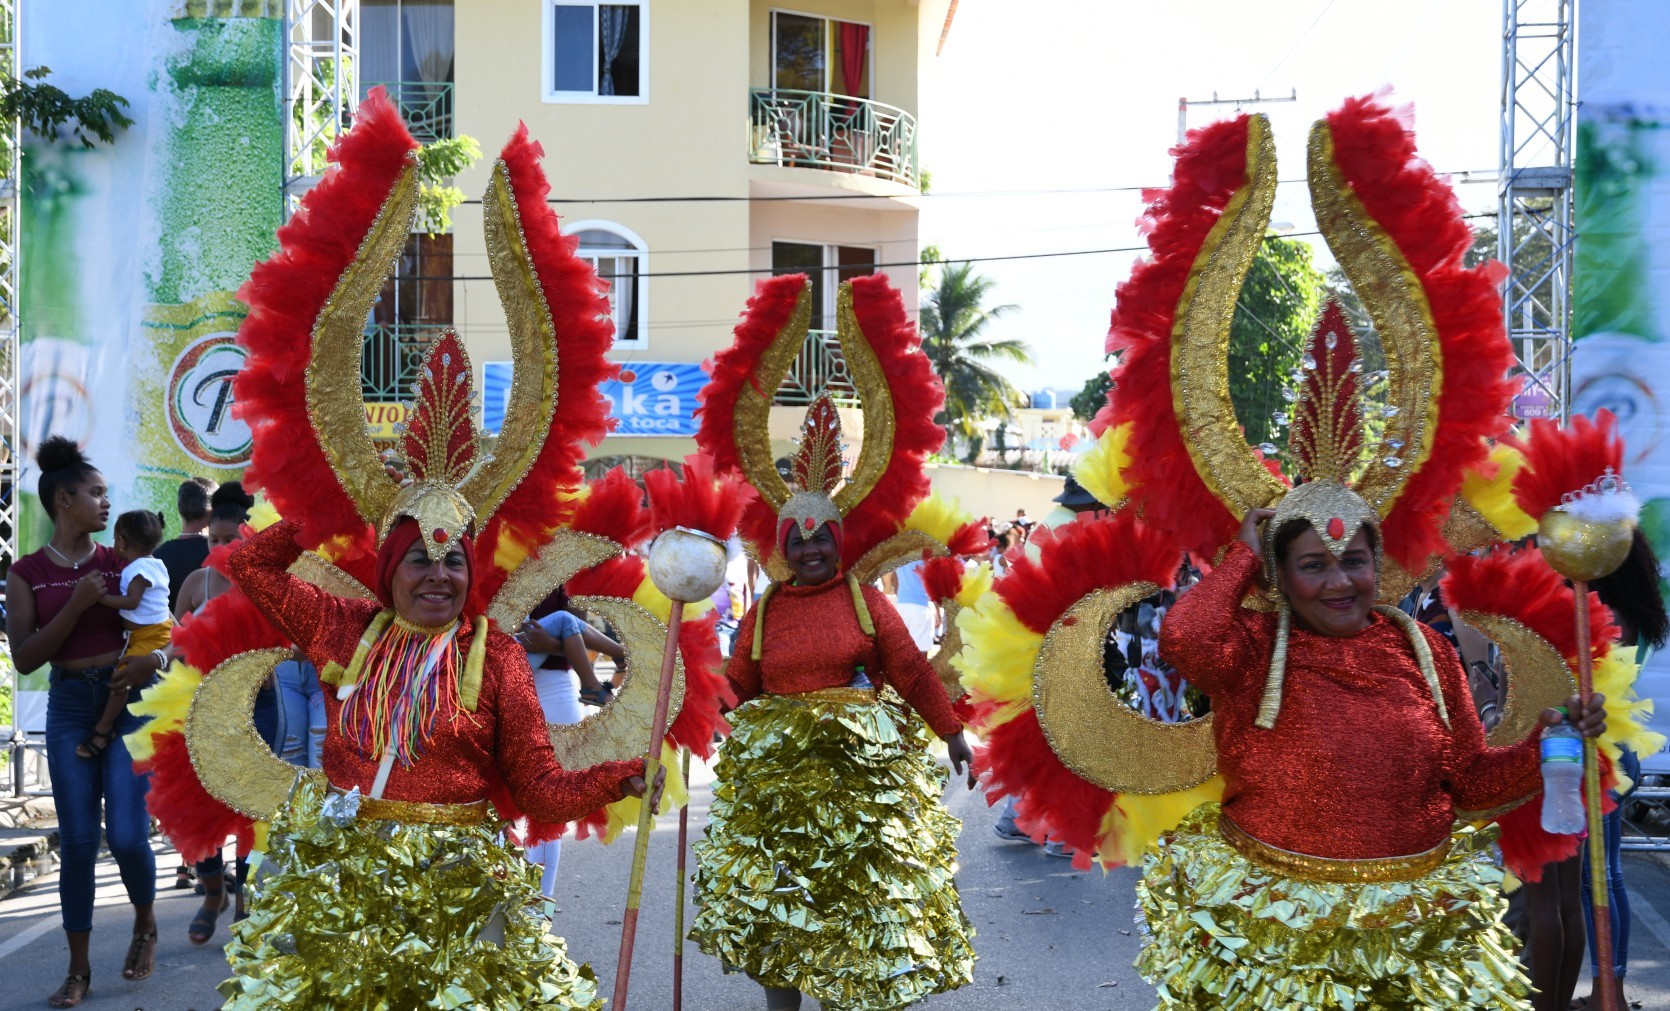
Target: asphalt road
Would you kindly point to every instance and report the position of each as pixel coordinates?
(1049, 937)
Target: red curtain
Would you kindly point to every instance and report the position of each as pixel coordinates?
(855, 47)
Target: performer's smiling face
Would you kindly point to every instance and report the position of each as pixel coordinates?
(430, 593)
(1329, 596)
(812, 559)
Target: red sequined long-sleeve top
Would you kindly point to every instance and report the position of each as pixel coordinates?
(503, 743)
(1359, 764)
(813, 641)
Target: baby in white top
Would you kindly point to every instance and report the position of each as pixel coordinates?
(144, 606)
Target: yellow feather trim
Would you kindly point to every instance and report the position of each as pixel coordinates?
(1136, 821)
(166, 704)
(976, 584)
(1102, 470)
(938, 516)
(1626, 715)
(263, 515)
(624, 812)
(997, 657)
(1493, 497)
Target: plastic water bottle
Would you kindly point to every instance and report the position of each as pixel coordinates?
(1562, 778)
(859, 678)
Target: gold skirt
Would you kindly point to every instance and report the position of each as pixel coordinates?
(828, 861)
(396, 914)
(1227, 933)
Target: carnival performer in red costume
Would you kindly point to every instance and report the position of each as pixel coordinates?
(827, 866)
(1300, 844)
(385, 883)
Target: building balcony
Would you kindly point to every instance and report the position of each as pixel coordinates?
(425, 105)
(820, 367)
(392, 355)
(836, 133)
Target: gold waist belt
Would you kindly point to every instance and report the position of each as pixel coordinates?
(412, 811)
(857, 696)
(1373, 870)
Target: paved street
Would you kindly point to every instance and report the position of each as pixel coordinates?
(1050, 937)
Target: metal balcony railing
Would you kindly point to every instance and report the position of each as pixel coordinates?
(425, 105)
(813, 129)
(392, 356)
(819, 368)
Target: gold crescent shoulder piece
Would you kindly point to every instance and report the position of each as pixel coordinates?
(1538, 677)
(875, 397)
(751, 422)
(950, 678)
(566, 553)
(1396, 301)
(533, 347)
(897, 551)
(621, 729)
(232, 762)
(313, 568)
(1094, 733)
(335, 399)
(1200, 338)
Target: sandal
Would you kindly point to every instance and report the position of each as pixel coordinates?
(183, 876)
(599, 697)
(203, 924)
(95, 743)
(68, 995)
(144, 944)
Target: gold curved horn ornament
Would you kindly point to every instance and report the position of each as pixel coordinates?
(335, 399)
(875, 398)
(567, 553)
(1538, 677)
(617, 731)
(897, 551)
(1396, 301)
(232, 762)
(1200, 338)
(752, 414)
(1094, 733)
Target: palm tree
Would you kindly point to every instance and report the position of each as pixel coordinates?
(953, 323)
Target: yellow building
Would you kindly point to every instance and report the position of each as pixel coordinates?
(693, 145)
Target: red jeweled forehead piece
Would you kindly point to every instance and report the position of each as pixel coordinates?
(1336, 528)
(440, 536)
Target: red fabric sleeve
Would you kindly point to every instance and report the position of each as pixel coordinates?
(743, 670)
(541, 788)
(905, 667)
(1482, 778)
(308, 616)
(1207, 635)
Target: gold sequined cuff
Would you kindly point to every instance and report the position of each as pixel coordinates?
(856, 696)
(414, 812)
(1374, 870)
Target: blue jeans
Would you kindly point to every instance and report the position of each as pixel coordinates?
(79, 784)
(301, 704)
(1612, 826)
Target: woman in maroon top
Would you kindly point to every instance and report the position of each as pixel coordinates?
(53, 618)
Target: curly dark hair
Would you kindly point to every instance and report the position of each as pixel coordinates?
(141, 528)
(192, 503)
(63, 467)
(230, 503)
(1633, 594)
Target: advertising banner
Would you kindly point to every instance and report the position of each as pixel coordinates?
(1621, 281)
(132, 251)
(649, 398)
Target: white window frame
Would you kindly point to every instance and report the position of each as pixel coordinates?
(829, 50)
(831, 267)
(548, 70)
(641, 251)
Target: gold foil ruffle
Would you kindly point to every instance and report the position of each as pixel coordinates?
(1227, 932)
(396, 915)
(828, 860)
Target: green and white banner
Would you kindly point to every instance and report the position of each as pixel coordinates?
(1621, 282)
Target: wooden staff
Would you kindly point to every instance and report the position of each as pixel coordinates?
(1607, 984)
(678, 903)
(646, 811)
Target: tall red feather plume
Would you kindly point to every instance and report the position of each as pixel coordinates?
(917, 397)
(707, 691)
(1211, 167)
(1375, 151)
(1328, 421)
(1560, 461)
(1077, 558)
(614, 508)
(732, 369)
(544, 500)
(285, 294)
(704, 500)
(1522, 586)
(970, 539)
(942, 578)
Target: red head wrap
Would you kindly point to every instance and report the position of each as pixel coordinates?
(787, 523)
(401, 537)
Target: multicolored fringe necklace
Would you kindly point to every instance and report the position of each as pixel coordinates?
(410, 675)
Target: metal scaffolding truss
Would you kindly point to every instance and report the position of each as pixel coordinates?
(11, 245)
(321, 87)
(1535, 230)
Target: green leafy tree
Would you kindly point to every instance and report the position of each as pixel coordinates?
(954, 320)
(46, 110)
(1088, 401)
(437, 164)
(1278, 305)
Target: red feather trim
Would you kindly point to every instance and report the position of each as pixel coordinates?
(1077, 558)
(1375, 152)
(543, 501)
(614, 508)
(1051, 799)
(1560, 461)
(703, 500)
(228, 625)
(942, 578)
(1527, 848)
(285, 294)
(195, 823)
(917, 397)
(707, 691)
(1211, 167)
(970, 540)
(1521, 585)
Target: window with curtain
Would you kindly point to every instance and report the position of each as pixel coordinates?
(406, 40)
(596, 52)
(811, 53)
(618, 258)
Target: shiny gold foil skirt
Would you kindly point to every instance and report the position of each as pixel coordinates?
(828, 859)
(1226, 932)
(373, 913)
